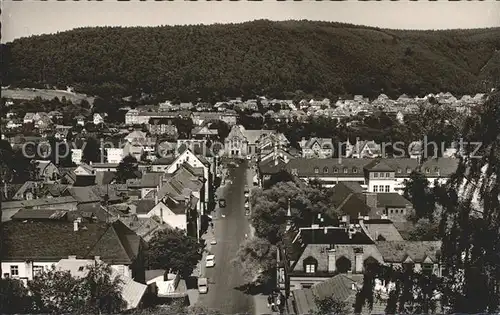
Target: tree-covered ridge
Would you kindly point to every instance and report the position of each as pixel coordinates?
(260, 57)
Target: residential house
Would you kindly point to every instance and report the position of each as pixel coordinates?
(42, 120)
(146, 228)
(163, 126)
(28, 191)
(40, 214)
(55, 115)
(241, 143)
(169, 212)
(321, 148)
(363, 149)
(161, 164)
(148, 184)
(201, 118)
(98, 118)
(319, 253)
(47, 171)
(166, 286)
(114, 155)
(132, 292)
(9, 208)
(80, 120)
(114, 244)
(204, 132)
(13, 124)
(84, 170)
(29, 118)
(76, 156)
(418, 255)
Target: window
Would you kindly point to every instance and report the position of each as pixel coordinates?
(6, 275)
(427, 170)
(387, 188)
(316, 170)
(387, 174)
(14, 270)
(310, 268)
(375, 174)
(37, 270)
(345, 170)
(400, 171)
(310, 264)
(354, 170)
(396, 211)
(392, 211)
(436, 169)
(427, 268)
(375, 188)
(294, 171)
(325, 170)
(408, 170)
(335, 170)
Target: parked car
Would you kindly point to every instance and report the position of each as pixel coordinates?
(247, 205)
(247, 192)
(213, 242)
(202, 285)
(222, 203)
(210, 262)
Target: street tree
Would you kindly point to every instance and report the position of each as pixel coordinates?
(126, 169)
(92, 151)
(174, 251)
(256, 258)
(418, 192)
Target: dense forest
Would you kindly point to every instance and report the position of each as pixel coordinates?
(280, 59)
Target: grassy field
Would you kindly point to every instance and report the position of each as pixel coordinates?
(29, 94)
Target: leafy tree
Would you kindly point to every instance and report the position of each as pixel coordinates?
(184, 127)
(256, 257)
(126, 169)
(14, 297)
(222, 128)
(417, 191)
(330, 305)
(56, 291)
(174, 251)
(424, 230)
(92, 151)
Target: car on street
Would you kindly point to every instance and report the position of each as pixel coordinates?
(247, 205)
(213, 242)
(222, 203)
(210, 261)
(202, 285)
(247, 192)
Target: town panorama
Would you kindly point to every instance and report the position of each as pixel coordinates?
(226, 173)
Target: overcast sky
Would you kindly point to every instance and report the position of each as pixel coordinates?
(25, 18)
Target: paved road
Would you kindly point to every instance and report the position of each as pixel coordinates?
(225, 278)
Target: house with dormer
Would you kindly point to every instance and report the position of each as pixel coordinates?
(375, 175)
(363, 149)
(321, 148)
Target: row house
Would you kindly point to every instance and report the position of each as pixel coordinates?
(321, 148)
(317, 253)
(163, 126)
(229, 117)
(371, 173)
(136, 117)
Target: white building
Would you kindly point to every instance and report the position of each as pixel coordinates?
(76, 156)
(98, 119)
(114, 155)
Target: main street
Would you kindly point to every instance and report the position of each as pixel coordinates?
(230, 225)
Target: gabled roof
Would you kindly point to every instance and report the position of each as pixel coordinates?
(348, 198)
(36, 202)
(379, 165)
(39, 214)
(55, 240)
(84, 194)
(104, 178)
(418, 251)
(131, 291)
(28, 185)
(143, 206)
(393, 200)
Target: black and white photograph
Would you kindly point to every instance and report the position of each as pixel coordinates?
(250, 157)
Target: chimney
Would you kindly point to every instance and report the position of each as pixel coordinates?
(156, 194)
(358, 260)
(371, 199)
(331, 260)
(75, 226)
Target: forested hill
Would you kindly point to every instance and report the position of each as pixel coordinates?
(260, 57)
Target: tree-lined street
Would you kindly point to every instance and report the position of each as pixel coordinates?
(231, 225)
